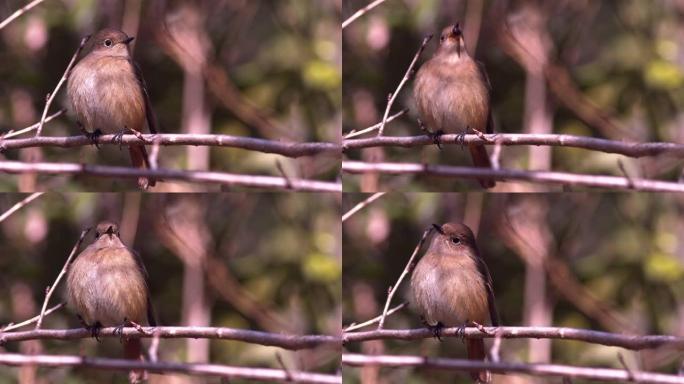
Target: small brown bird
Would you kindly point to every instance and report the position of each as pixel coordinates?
(107, 287)
(108, 93)
(451, 286)
(452, 94)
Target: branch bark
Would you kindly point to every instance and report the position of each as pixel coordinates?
(228, 179)
(285, 341)
(248, 143)
(632, 342)
(228, 372)
(601, 374)
(540, 177)
(631, 149)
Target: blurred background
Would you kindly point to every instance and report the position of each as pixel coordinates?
(269, 262)
(609, 69)
(266, 69)
(610, 262)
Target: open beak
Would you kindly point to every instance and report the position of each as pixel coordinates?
(128, 40)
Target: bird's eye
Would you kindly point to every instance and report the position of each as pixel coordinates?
(456, 240)
(108, 43)
(97, 234)
(441, 38)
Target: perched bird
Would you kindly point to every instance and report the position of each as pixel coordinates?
(452, 94)
(108, 93)
(451, 286)
(107, 287)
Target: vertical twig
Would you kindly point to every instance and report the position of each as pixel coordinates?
(407, 269)
(51, 96)
(407, 76)
(51, 289)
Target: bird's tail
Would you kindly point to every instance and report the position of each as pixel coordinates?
(133, 351)
(140, 159)
(481, 159)
(476, 351)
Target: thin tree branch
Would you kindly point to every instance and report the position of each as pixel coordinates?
(285, 341)
(630, 149)
(266, 182)
(19, 12)
(19, 205)
(248, 143)
(361, 12)
(51, 289)
(225, 371)
(377, 126)
(12, 326)
(601, 374)
(407, 76)
(51, 96)
(407, 269)
(360, 205)
(632, 342)
(540, 177)
(354, 326)
(30, 128)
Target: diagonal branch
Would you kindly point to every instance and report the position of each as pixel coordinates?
(539, 177)
(19, 12)
(229, 179)
(361, 12)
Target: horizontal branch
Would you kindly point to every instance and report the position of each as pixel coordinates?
(249, 143)
(633, 342)
(291, 342)
(508, 139)
(230, 179)
(600, 374)
(540, 177)
(225, 371)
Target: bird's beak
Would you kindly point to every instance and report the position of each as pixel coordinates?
(438, 228)
(128, 40)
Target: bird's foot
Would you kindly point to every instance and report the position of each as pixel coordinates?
(92, 136)
(118, 330)
(460, 332)
(95, 330)
(436, 329)
(460, 139)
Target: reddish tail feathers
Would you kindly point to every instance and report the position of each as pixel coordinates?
(476, 351)
(481, 159)
(140, 159)
(133, 351)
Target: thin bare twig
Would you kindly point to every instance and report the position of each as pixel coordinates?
(30, 128)
(281, 340)
(225, 371)
(288, 183)
(354, 326)
(407, 269)
(20, 205)
(248, 143)
(540, 177)
(51, 289)
(361, 12)
(12, 326)
(632, 342)
(630, 149)
(377, 126)
(51, 96)
(19, 12)
(602, 374)
(229, 179)
(407, 76)
(362, 205)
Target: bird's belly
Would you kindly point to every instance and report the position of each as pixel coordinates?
(108, 99)
(456, 109)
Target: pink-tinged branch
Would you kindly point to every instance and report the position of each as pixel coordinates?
(539, 177)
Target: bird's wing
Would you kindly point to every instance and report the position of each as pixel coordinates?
(151, 317)
(491, 301)
(485, 78)
(151, 118)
